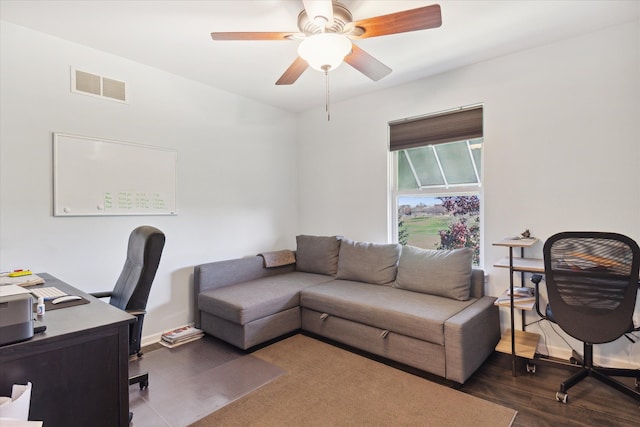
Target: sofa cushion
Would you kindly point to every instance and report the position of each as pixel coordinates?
(317, 254)
(368, 262)
(245, 302)
(445, 273)
(413, 314)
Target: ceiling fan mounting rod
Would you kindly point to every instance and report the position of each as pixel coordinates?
(341, 20)
(321, 22)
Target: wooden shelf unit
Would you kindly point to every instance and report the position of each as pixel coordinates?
(520, 303)
(518, 342)
(522, 265)
(526, 343)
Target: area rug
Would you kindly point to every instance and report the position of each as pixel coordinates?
(328, 386)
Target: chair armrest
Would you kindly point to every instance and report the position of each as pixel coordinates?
(137, 312)
(470, 336)
(217, 274)
(105, 294)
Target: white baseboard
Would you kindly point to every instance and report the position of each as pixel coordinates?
(599, 360)
(150, 339)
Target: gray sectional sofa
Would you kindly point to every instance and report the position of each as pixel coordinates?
(423, 308)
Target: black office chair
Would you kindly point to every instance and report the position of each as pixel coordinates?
(592, 282)
(134, 284)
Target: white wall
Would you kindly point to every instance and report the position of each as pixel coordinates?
(237, 186)
(561, 150)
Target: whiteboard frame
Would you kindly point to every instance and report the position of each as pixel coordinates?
(59, 210)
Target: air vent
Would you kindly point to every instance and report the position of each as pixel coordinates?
(100, 86)
(89, 83)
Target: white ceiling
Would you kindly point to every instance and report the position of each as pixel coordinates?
(175, 36)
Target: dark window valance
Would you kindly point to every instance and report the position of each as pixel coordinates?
(436, 129)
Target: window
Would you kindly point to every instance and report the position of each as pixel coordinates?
(437, 164)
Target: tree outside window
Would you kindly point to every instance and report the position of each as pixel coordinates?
(446, 222)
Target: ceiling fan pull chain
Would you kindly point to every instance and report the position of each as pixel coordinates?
(327, 101)
(326, 75)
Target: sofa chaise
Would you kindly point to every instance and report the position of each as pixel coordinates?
(422, 308)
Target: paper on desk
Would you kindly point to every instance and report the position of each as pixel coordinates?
(17, 406)
(28, 280)
(9, 290)
(13, 423)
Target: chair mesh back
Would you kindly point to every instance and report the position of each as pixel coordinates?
(592, 283)
(143, 257)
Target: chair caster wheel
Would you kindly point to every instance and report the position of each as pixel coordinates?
(574, 361)
(562, 397)
(531, 368)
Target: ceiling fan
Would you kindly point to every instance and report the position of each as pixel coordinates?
(327, 29)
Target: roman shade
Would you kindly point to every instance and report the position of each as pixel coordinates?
(450, 126)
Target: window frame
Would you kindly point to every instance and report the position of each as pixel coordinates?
(433, 191)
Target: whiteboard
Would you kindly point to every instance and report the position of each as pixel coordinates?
(94, 176)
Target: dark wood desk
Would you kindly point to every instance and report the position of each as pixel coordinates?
(78, 366)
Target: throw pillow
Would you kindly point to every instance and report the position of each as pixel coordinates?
(444, 273)
(368, 262)
(317, 254)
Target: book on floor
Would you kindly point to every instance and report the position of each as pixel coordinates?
(181, 335)
(181, 342)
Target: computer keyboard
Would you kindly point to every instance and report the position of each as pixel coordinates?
(48, 293)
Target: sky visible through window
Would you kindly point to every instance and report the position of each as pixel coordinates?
(416, 200)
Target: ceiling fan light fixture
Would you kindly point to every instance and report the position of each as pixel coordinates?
(324, 51)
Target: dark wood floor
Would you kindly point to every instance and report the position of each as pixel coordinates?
(590, 403)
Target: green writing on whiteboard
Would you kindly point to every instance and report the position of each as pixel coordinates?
(119, 201)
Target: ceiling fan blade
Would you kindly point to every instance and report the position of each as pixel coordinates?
(315, 8)
(252, 36)
(366, 64)
(421, 18)
(294, 71)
